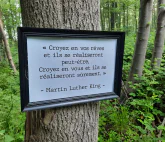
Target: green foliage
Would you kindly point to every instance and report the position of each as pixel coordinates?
(128, 54)
(14, 51)
(10, 11)
(11, 120)
(124, 13)
(140, 118)
(115, 123)
(162, 6)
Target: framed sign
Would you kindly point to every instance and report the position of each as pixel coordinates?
(65, 67)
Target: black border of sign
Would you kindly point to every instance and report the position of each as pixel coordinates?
(24, 32)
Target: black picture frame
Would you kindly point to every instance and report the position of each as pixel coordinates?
(24, 32)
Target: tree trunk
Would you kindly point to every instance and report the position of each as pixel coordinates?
(127, 29)
(113, 16)
(13, 29)
(78, 123)
(145, 18)
(109, 18)
(124, 16)
(119, 21)
(159, 38)
(104, 19)
(6, 46)
(102, 16)
(135, 19)
(154, 16)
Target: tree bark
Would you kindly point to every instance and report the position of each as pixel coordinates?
(159, 38)
(6, 46)
(145, 18)
(78, 123)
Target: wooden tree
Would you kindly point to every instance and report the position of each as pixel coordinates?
(160, 36)
(77, 123)
(6, 46)
(145, 18)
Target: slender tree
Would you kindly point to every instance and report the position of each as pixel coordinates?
(109, 17)
(102, 15)
(113, 4)
(145, 18)
(127, 29)
(135, 17)
(154, 14)
(6, 46)
(68, 124)
(160, 36)
(118, 21)
(124, 16)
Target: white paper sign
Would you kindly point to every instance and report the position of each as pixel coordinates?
(67, 67)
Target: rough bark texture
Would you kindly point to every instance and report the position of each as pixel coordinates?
(6, 46)
(145, 18)
(71, 124)
(160, 37)
(77, 123)
(72, 14)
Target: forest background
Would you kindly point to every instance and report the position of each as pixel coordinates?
(139, 114)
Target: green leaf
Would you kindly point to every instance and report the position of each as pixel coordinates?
(160, 127)
(132, 94)
(8, 138)
(2, 132)
(162, 6)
